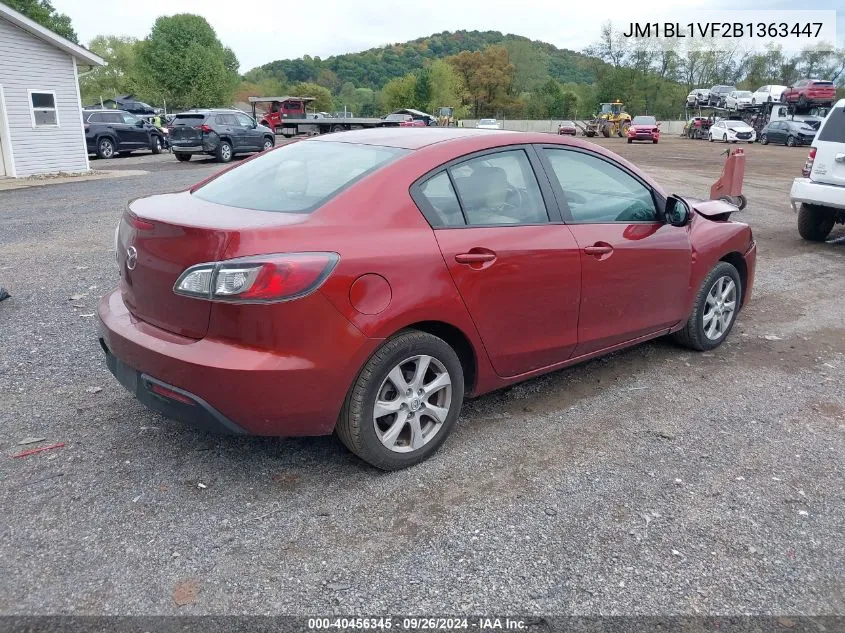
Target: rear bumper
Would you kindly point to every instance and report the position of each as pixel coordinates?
(805, 190)
(191, 149)
(170, 401)
(232, 387)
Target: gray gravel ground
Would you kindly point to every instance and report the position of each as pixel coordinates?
(655, 481)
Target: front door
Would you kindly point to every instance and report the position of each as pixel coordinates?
(635, 270)
(518, 272)
(134, 137)
(252, 136)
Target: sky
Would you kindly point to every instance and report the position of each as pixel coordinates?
(331, 27)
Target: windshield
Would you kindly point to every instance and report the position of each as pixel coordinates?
(736, 125)
(608, 108)
(644, 120)
(398, 117)
(296, 178)
(568, 124)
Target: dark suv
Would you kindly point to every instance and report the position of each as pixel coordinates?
(718, 95)
(219, 133)
(110, 132)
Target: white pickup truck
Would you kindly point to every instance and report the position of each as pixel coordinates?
(819, 196)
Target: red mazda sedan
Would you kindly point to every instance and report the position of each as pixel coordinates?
(366, 282)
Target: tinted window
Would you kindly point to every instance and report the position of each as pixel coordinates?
(440, 194)
(243, 120)
(112, 117)
(597, 191)
(822, 83)
(131, 120)
(834, 128)
(296, 178)
(499, 188)
(225, 119)
(96, 118)
(188, 119)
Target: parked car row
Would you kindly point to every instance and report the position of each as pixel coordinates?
(803, 93)
(109, 133)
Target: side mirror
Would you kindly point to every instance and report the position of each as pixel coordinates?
(676, 213)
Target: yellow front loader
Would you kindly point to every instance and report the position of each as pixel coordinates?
(612, 119)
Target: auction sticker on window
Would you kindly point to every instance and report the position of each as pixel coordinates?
(751, 30)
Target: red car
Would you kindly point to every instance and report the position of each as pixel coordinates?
(567, 127)
(643, 128)
(365, 282)
(809, 91)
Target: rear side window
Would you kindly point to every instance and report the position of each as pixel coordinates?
(440, 194)
(96, 118)
(113, 117)
(296, 178)
(833, 129)
(189, 119)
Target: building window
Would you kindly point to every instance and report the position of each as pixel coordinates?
(43, 108)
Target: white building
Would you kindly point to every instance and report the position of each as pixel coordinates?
(40, 110)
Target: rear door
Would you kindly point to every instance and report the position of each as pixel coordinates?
(635, 269)
(515, 264)
(829, 165)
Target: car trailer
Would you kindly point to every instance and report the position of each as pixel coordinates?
(294, 126)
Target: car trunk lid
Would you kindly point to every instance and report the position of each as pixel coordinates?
(161, 236)
(187, 129)
(829, 164)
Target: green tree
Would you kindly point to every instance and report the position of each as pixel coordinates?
(531, 64)
(422, 90)
(487, 76)
(399, 93)
(184, 63)
(118, 76)
(447, 89)
(42, 11)
(323, 101)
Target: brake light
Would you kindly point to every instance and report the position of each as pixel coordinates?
(205, 128)
(808, 166)
(257, 279)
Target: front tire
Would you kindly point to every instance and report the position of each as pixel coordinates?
(725, 138)
(815, 222)
(224, 152)
(790, 141)
(404, 402)
(156, 145)
(268, 143)
(714, 314)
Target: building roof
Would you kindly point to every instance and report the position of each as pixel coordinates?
(32, 27)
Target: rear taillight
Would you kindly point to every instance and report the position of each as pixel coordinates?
(205, 128)
(808, 166)
(258, 279)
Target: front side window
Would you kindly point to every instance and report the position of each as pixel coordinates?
(296, 178)
(43, 109)
(243, 120)
(598, 192)
(499, 189)
(129, 119)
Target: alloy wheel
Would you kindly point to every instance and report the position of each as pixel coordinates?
(412, 403)
(720, 308)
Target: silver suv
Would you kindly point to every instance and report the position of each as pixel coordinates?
(819, 197)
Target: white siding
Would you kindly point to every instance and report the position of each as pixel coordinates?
(28, 63)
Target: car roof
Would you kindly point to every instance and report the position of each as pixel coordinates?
(414, 138)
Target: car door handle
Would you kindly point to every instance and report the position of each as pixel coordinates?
(598, 249)
(475, 258)
(840, 158)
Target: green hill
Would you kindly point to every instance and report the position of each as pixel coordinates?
(375, 67)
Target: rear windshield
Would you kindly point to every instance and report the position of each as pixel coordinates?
(188, 119)
(296, 178)
(834, 128)
(822, 83)
(644, 120)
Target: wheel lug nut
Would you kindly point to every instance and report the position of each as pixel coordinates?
(409, 392)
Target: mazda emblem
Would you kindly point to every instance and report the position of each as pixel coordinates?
(131, 258)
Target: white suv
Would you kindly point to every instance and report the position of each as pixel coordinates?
(820, 194)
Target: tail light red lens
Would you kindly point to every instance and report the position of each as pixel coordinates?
(259, 279)
(205, 128)
(808, 166)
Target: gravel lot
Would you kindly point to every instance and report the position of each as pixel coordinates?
(655, 481)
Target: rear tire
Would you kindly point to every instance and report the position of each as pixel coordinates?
(815, 222)
(358, 423)
(630, 141)
(764, 139)
(182, 157)
(655, 141)
(694, 334)
(224, 152)
(105, 148)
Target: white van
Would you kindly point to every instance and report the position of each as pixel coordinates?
(819, 197)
